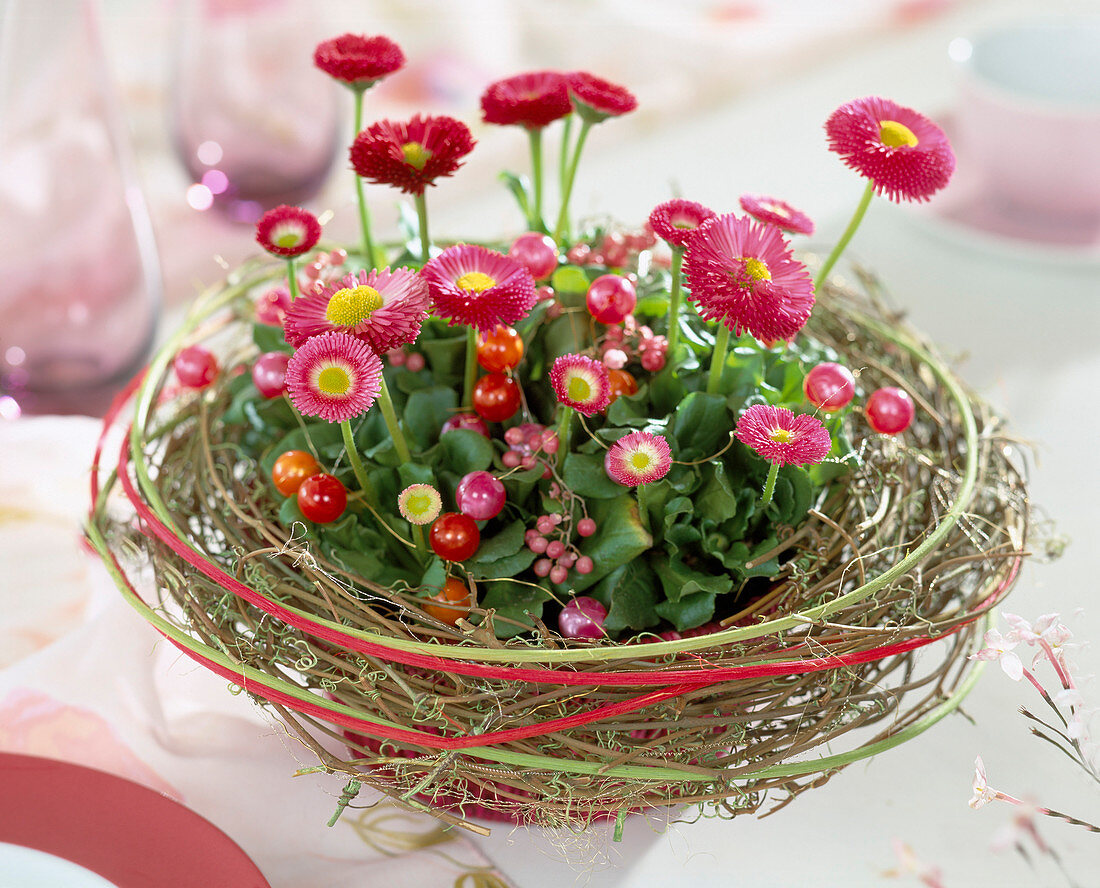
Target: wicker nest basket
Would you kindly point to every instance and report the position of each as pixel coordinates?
(860, 644)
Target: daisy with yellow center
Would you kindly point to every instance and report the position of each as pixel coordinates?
(419, 504)
(638, 458)
(385, 309)
(783, 438)
(334, 376)
(581, 383)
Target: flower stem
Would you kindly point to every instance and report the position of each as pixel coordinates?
(535, 217)
(857, 217)
(563, 158)
(292, 278)
(674, 304)
(769, 486)
(643, 506)
(418, 538)
(422, 217)
(561, 229)
(390, 415)
(565, 431)
(364, 213)
(717, 359)
(471, 368)
(357, 463)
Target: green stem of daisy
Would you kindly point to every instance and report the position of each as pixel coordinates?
(563, 158)
(565, 431)
(422, 218)
(357, 464)
(769, 486)
(534, 135)
(364, 213)
(390, 415)
(562, 228)
(292, 278)
(841, 244)
(418, 538)
(643, 505)
(471, 369)
(717, 359)
(674, 304)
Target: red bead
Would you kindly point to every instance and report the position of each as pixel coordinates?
(269, 373)
(829, 386)
(611, 298)
(582, 617)
(536, 252)
(496, 397)
(195, 367)
(480, 495)
(890, 411)
(454, 536)
(322, 498)
(465, 421)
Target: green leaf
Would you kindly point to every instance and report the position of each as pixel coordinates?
(434, 576)
(680, 581)
(463, 451)
(619, 539)
(269, 338)
(717, 500)
(564, 336)
(585, 474)
(425, 413)
(289, 513)
(569, 279)
(630, 594)
(447, 358)
(700, 425)
(736, 557)
(520, 188)
(507, 542)
(511, 599)
(655, 305)
(689, 612)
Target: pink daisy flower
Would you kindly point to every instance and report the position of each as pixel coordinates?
(596, 99)
(903, 153)
(778, 212)
(638, 458)
(419, 504)
(741, 273)
(334, 376)
(358, 60)
(288, 231)
(675, 221)
(533, 100)
(581, 383)
(411, 156)
(383, 308)
(783, 437)
(479, 287)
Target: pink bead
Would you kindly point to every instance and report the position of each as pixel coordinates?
(397, 357)
(544, 293)
(536, 252)
(271, 306)
(582, 617)
(480, 495)
(338, 257)
(890, 410)
(470, 421)
(555, 549)
(829, 386)
(653, 360)
(614, 359)
(542, 567)
(585, 565)
(510, 459)
(550, 443)
(558, 574)
(537, 544)
(611, 297)
(544, 524)
(586, 527)
(414, 362)
(578, 254)
(567, 560)
(614, 250)
(195, 367)
(269, 373)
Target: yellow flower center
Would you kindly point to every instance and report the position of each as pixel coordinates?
(640, 461)
(781, 436)
(893, 134)
(756, 269)
(334, 381)
(289, 238)
(416, 155)
(579, 389)
(351, 306)
(476, 281)
(683, 225)
(418, 503)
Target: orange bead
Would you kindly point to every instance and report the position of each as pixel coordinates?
(451, 603)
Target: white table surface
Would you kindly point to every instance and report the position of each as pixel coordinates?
(1030, 330)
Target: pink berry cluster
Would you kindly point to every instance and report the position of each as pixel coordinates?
(324, 266)
(614, 249)
(621, 345)
(411, 361)
(552, 536)
(527, 443)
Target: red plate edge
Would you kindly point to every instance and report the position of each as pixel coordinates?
(121, 830)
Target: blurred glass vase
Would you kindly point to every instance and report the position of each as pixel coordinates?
(254, 123)
(80, 296)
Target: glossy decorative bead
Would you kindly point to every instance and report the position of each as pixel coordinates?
(890, 410)
(480, 495)
(829, 386)
(469, 421)
(582, 617)
(195, 367)
(537, 252)
(611, 297)
(269, 373)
